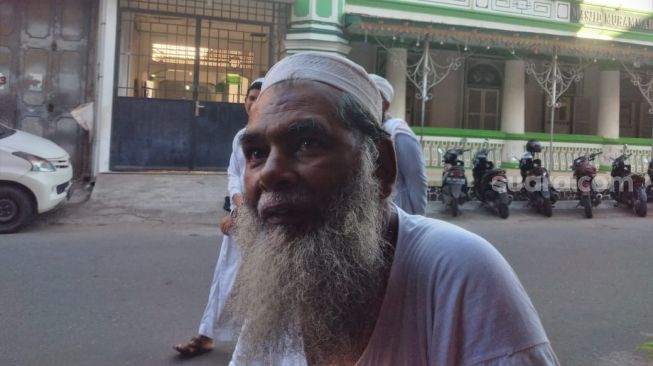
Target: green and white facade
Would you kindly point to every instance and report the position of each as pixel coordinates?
(490, 95)
(167, 78)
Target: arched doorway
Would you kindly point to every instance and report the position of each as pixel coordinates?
(482, 94)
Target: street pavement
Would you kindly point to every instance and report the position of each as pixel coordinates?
(106, 282)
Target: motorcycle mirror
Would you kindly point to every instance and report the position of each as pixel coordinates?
(440, 150)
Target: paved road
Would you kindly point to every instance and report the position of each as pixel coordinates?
(589, 279)
(122, 294)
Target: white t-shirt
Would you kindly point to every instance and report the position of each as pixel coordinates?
(451, 299)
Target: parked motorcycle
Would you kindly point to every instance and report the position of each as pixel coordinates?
(585, 172)
(454, 182)
(628, 188)
(490, 185)
(537, 184)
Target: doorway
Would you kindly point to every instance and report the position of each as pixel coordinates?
(181, 80)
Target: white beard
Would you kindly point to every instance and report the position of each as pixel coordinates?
(312, 291)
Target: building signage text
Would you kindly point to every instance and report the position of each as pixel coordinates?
(610, 18)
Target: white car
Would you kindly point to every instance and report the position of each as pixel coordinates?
(35, 176)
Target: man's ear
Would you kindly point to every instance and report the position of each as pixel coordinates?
(386, 169)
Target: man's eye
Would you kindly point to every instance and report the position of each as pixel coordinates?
(308, 143)
(253, 154)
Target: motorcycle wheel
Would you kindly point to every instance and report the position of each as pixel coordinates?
(504, 211)
(454, 207)
(640, 204)
(547, 209)
(587, 204)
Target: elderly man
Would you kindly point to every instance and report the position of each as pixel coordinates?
(213, 326)
(411, 186)
(333, 273)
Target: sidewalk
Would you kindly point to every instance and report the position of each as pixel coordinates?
(179, 199)
(159, 198)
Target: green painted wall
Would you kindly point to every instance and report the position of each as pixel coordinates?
(324, 8)
(301, 8)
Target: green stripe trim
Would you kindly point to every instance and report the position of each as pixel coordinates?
(316, 22)
(509, 165)
(629, 140)
(605, 168)
(317, 31)
(498, 18)
(541, 136)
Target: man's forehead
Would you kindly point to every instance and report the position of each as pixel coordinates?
(296, 99)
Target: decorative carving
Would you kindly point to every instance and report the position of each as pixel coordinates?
(548, 9)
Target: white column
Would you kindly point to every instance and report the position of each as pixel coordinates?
(609, 104)
(395, 72)
(513, 107)
(106, 46)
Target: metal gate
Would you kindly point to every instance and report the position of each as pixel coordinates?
(182, 77)
(43, 69)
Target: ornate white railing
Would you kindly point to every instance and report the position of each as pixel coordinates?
(564, 153)
(433, 158)
(636, 161)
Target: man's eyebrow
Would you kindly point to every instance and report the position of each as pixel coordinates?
(307, 126)
(247, 137)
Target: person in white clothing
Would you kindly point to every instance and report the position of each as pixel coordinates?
(331, 271)
(215, 324)
(411, 187)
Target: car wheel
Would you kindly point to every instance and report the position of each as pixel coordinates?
(16, 209)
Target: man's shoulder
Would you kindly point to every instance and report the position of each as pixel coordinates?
(429, 232)
(435, 245)
(396, 126)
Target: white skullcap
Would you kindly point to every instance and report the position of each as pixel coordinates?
(259, 80)
(387, 92)
(337, 71)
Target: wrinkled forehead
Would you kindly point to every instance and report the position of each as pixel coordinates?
(294, 99)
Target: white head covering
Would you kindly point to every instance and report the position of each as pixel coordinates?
(387, 91)
(259, 80)
(337, 71)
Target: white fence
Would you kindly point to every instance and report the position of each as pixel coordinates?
(564, 153)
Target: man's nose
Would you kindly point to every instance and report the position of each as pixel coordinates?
(278, 172)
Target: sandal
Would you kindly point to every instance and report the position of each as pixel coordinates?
(197, 346)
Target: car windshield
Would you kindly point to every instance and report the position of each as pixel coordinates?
(6, 131)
